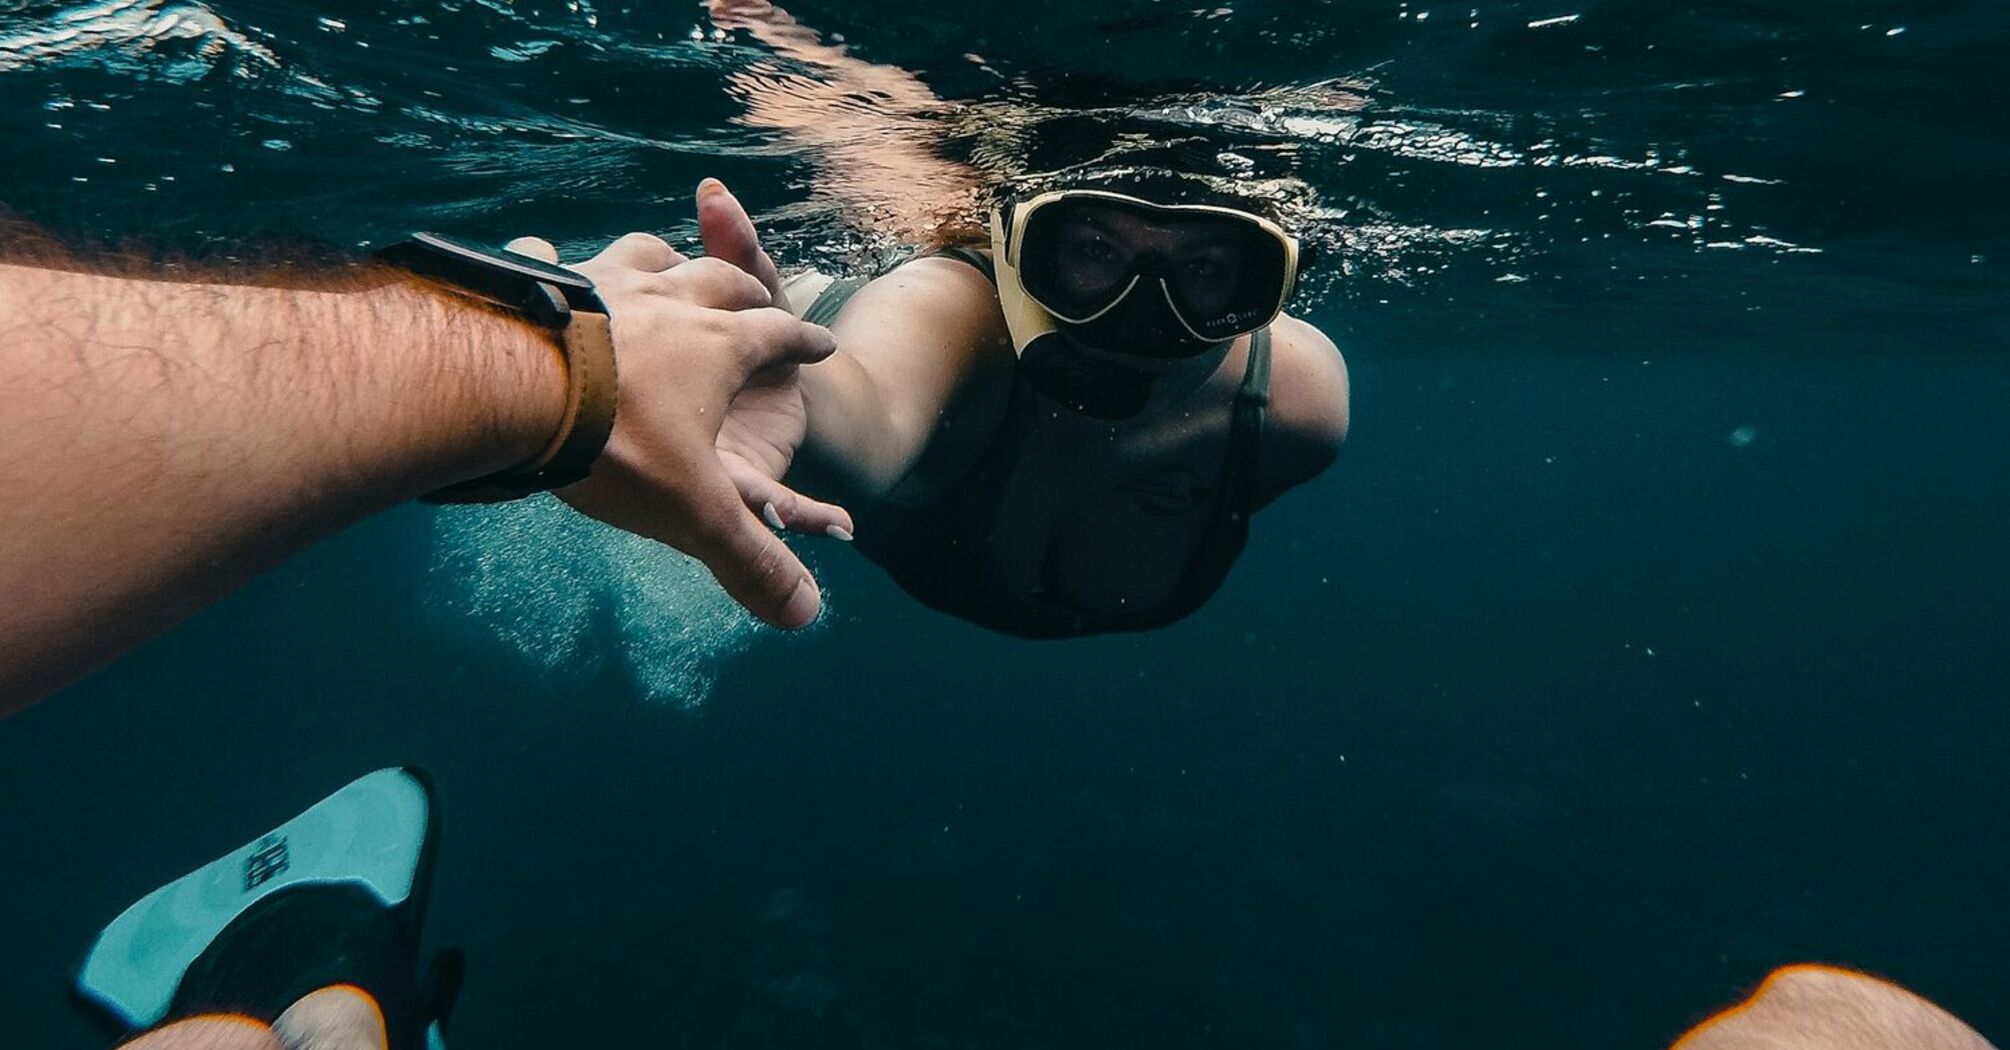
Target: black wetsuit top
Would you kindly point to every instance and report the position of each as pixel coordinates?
(942, 553)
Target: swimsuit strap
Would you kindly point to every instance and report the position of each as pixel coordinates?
(829, 302)
(1245, 441)
(1221, 545)
(1227, 531)
(824, 309)
(972, 256)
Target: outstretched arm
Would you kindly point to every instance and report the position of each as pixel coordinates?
(166, 439)
(166, 436)
(912, 344)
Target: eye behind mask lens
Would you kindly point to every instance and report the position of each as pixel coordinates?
(1077, 270)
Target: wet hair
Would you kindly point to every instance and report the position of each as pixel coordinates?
(1156, 185)
(1153, 152)
(957, 233)
(1164, 187)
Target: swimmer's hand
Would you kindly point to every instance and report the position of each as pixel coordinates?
(689, 336)
(768, 419)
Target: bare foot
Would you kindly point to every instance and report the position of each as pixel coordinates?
(215, 1032)
(338, 1017)
(1809, 1007)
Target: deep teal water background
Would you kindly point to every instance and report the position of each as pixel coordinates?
(1649, 634)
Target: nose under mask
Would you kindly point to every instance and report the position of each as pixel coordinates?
(1143, 324)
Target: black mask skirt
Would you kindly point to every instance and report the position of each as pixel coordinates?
(1092, 386)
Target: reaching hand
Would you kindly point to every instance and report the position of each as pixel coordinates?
(690, 336)
(768, 419)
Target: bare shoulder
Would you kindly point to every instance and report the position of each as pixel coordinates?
(929, 334)
(934, 295)
(925, 357)
(1308, 417)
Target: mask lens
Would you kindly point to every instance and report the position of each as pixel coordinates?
(1229, 279)
(1073, 259)
(1224, 274)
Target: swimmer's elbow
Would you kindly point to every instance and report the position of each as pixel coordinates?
(1304, 453)
(1310, 411)
(1320, 416)
(850, 447)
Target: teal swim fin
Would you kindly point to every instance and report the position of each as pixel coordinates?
(334, 896)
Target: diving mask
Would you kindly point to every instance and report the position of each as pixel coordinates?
(1132, 276)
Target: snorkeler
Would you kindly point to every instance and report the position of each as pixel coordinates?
(1058, 426)
(1067, 434)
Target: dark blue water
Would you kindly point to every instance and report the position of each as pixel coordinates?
(1649, 633)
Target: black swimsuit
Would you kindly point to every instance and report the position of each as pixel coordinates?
(944, 553)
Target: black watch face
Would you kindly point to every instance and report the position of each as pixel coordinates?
(535, 269)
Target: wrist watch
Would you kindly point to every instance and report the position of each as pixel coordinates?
(563, 303)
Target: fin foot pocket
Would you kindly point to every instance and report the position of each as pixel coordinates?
(334, 896)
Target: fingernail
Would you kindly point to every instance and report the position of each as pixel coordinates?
(709, 186)
(837, 532)
(800, 610)
(771, 516)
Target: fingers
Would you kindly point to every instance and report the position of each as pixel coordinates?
(775, 339)
(782, 507)
(637, 251)
(739, 277)
(760, 572)
(641, 251)
(811, 517)
(728, 233)
(535, 247)
(338, 1015)
(718, 284)
(702, 515)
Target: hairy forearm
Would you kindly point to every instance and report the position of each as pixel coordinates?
(160, 441)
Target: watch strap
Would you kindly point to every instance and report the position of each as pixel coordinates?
(590, 389)
(539, 290)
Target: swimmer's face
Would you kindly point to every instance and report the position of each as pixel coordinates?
(1150, 280)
